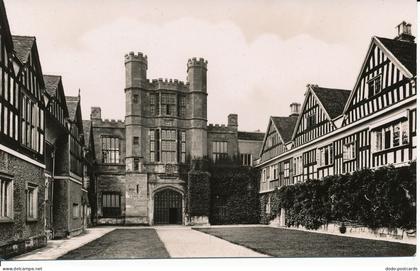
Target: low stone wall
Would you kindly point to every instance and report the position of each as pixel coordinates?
(14, 248)
(384, 234)
(110, 221)
(198, 221)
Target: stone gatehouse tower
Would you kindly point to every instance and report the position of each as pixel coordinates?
(139, 178)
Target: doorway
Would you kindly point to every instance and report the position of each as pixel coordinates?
(168, 207)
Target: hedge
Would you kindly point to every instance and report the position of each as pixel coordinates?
(385, 197)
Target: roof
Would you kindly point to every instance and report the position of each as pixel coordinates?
(72, 103)
(51, 84)
(285, 126)
(251, 136)
(23, 46)
(333, 100)
(5, 26)
(404, 51)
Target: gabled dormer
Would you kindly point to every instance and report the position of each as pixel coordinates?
(320, 108)
(57, 108)
(76, 135)
(387, 76)
(278, 133)
(30, 80)
(30, 73)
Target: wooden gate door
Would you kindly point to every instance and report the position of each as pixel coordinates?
(168, 207)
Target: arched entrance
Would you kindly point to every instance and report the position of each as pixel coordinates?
(168, 207)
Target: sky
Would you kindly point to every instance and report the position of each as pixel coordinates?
(261, 54)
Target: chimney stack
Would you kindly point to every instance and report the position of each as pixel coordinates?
(404, 32)
(95, 113)
(294, 109)
(233, 121)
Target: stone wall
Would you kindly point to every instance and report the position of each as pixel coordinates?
(136, 199)
(110, 183)
(224, 134)
(20, 235)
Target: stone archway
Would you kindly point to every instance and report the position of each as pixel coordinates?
(167, 207)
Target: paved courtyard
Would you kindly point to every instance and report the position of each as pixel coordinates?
(236, 241)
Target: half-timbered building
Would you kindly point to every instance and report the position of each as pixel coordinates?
(22, 164)
(340, 131)
(55, 131)
(69, 192)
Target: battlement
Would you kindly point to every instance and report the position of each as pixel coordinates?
(219, 128)
(112, 123)
(172, 84)
(136, 57)
(194, 62)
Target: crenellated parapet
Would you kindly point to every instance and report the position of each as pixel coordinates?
(139, 57)
(220, 128)
(197, 62)
(110, 123)
(167, 84)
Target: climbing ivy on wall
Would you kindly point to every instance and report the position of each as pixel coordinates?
(198, 199)
(234, 194)
(385, 197)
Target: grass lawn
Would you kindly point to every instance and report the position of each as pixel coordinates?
(121, 244)
(292, 243)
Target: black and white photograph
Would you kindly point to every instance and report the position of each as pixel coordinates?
(275, 134)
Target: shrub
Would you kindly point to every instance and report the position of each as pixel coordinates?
(385, 197)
